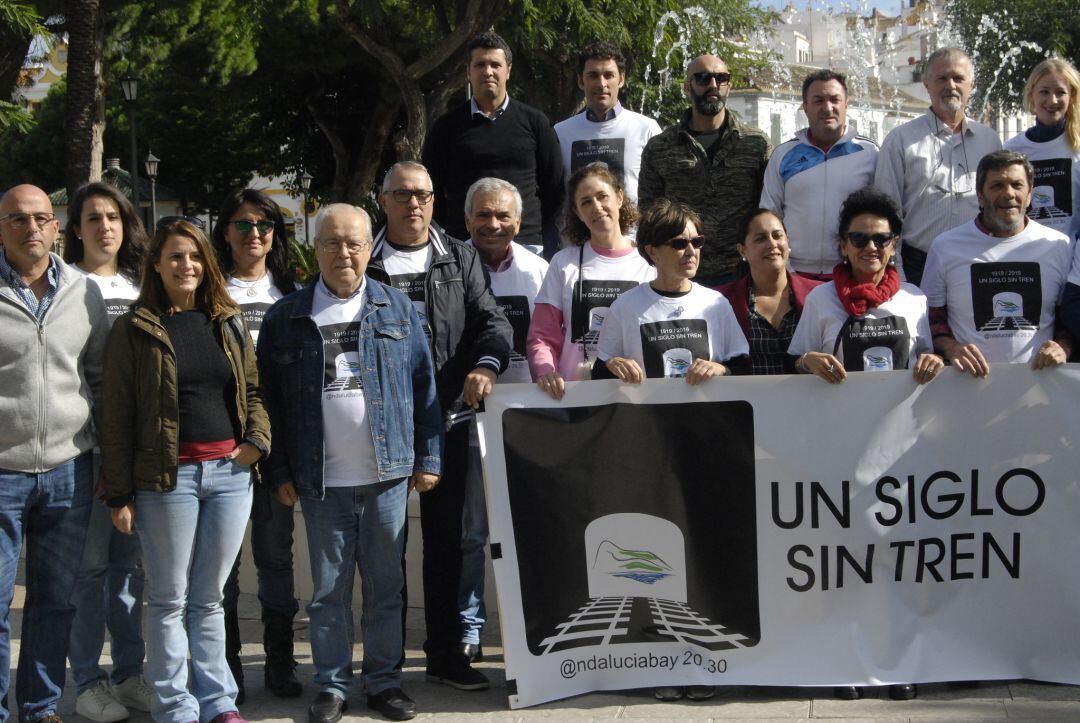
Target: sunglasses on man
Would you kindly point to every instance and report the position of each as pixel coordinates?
(703, 77)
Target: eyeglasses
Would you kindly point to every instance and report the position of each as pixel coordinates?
(703, 77)
(169, 220)
(332, 246)
(402, 195)
(22, 220)
(244, 226)
(859, 240)
(680, 243)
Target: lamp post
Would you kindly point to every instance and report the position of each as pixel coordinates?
(130, 85)
(209, 206)
(151, 172)
(305, 184)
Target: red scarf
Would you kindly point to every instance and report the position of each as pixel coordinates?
(856, 298)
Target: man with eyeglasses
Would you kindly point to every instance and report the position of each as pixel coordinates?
(993, 283)
(928, 164)
(492, 134)
(54, 330)
(711, 161)
(350, 391)
(470, 342)
(809, 176)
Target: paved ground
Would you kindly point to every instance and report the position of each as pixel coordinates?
(1012, 700)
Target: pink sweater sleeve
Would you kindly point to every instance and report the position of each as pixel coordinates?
(544, 343)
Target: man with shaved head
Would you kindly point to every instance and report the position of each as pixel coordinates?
(350, 390)
(711, 161)
(54, 329)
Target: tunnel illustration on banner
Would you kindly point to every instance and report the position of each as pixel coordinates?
(651, 564)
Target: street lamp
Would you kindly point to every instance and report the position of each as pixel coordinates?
(130, 85)
(209, 206)
(305, 184)
(151, 173)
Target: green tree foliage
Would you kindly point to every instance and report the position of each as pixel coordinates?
(1007, 39)
(33, 155)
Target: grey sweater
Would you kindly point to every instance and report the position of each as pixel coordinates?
(50, 374)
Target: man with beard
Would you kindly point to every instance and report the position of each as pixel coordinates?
(711, 161)
(928, 164)
(809, 176)
(993, 283)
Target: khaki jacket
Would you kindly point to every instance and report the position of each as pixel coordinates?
(139, 434)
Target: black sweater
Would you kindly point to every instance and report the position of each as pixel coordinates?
(519, 146)
(206, 391)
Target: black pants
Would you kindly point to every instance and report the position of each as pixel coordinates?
(914, 261)
(440, 524)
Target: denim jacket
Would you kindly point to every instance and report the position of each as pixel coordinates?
(399, 389)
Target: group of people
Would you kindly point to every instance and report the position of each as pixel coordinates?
(160, 390)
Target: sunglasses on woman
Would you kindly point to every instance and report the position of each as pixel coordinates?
(859, 240)
(680, 243)
(244, 226)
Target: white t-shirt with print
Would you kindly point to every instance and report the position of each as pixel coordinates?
(515, 290)
(117, 292)
(254, 299)
(348, 447)
(407, 268)
(1055, 200)
(664, 334)
(1000, 292)
(618, 142)
(605, 278)
(889, 336)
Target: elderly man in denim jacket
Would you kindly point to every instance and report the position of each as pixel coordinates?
(356, 424)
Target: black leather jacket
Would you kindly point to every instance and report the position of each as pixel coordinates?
(468, 329)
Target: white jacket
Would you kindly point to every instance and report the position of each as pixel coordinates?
(807, 187)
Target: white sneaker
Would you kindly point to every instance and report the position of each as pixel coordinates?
(99, 705)
(135, 693)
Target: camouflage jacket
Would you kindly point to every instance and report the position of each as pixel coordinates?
(721, 189)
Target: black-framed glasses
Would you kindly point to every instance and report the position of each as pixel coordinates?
(402, 195)
(859, 240)
(703, 77)
(680, 243)
(244, 226)
(22, 220)
(193, 220)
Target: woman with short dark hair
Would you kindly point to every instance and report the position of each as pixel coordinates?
(866, 319)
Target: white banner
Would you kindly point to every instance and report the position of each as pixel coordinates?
(783, 531)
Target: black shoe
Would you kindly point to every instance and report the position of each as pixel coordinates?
(847, 692)
(906, 691)
(393, 703)
(455, 672)
(326, 708)
(471, 652)
(279, 674)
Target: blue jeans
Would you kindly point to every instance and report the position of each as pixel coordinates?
(474, 532)
(190, 538)
(108, 592)
(356, 527)
(272, 526)
(51, 509)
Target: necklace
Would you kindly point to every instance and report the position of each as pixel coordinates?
(252, 291)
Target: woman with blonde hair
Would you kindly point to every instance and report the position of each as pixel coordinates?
(1052, 145)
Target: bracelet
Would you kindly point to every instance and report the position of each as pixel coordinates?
(800, 364)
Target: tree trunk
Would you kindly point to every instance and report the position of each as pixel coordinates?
(13, 50)
(370, 160)
(82, 20)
